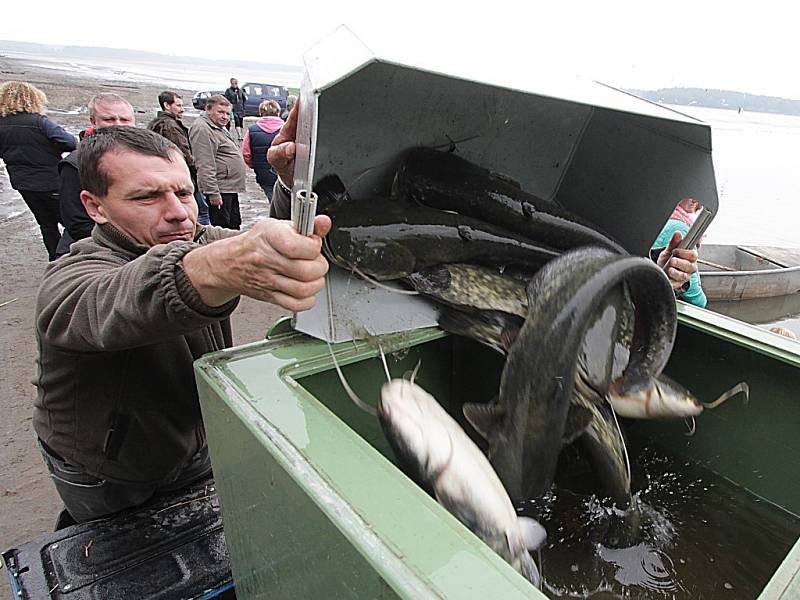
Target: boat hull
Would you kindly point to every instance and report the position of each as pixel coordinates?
(749, 272)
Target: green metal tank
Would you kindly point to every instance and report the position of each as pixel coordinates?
(314, 507)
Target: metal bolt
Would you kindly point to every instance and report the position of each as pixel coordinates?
(54, 546)
(67, 587)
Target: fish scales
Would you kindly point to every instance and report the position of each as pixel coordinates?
(473, 287)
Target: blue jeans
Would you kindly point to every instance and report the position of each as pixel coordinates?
(202, 208)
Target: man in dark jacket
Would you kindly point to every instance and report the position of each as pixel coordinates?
(237, 98)
(105, 110)
(120, 321)
(169, 124)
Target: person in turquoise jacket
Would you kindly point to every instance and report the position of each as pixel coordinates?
(680, 221)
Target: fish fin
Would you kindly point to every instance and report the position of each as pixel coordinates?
(578, 420)
(485, 418)
(739, 388)
(534, 534)
(521, 560)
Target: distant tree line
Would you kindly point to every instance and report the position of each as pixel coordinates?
(721, 99)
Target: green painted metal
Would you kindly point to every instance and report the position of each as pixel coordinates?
(313, 505)
(310, 508)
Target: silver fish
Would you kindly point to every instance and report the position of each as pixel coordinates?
(435, 446)
(663, 398)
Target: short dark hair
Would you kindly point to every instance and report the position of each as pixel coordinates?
(94, 178)
(167, 97)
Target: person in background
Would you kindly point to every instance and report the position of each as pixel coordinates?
(237, 98)
(290, 102)
(120, 321)
(169, 124)
(31, 146)
(220, 167)
(676, 227)
(257, 140)
(105, 110)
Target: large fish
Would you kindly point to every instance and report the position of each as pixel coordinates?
(590, 420)
(387, 239)
(434, 446)
(446, 181)
(472, 287)
(526, 426)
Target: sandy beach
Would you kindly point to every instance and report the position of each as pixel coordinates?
(28, 502)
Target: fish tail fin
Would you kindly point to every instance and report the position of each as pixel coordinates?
(521, 559)
(739, 388)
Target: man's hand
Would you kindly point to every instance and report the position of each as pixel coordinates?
(215, 201)
(682, 264)
(281, 154)
(271, 262)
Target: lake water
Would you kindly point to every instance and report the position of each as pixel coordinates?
(757, 162)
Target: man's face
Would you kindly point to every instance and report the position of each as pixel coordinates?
(114, 113)
(219, 114)
(176, 108)
(234, 83)
(150, 199)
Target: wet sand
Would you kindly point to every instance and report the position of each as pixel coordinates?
(28, 502)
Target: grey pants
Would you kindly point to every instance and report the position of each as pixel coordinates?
(87, 497)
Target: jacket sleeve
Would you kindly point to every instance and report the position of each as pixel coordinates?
(173, 132)
(64, 140)
(203, 152)
(73, 215)
(103, 303)
(281, 205)
(246, 154)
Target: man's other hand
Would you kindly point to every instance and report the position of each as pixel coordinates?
(215, 201)
(682, 264)
(281, 154)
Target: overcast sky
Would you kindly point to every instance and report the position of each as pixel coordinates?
(628, 44)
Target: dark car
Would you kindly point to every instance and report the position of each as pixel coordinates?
(258, 92)
(199, 99)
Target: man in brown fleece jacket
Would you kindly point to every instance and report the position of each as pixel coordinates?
(121, 319)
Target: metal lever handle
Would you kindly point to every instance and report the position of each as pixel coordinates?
(304, 209)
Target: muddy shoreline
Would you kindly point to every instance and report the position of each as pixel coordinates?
(28, 502)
